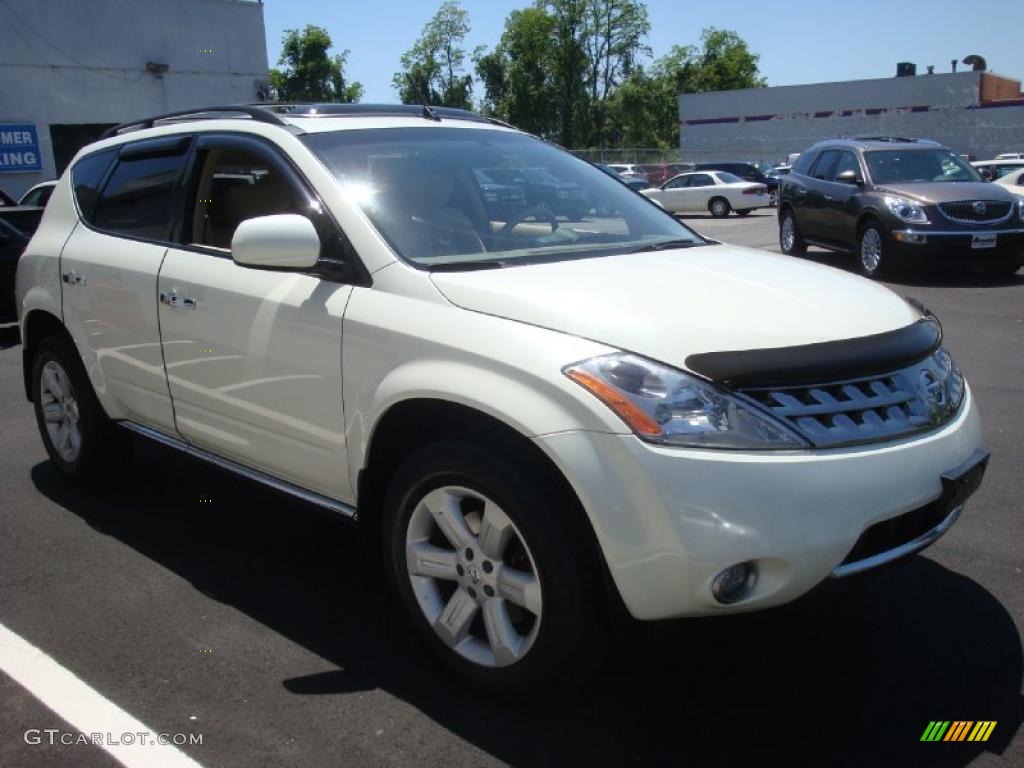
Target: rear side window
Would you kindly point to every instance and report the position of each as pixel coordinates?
(86, 177)
(138, 199)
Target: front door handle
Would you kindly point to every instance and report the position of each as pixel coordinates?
(174, 301)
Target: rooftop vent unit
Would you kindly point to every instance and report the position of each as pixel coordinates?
(976, 62)
(906, 69)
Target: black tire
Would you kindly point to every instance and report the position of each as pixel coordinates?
(571, 636)
(872, 251)
(719, 207)
(103, 446)
(743, 211)
(1002, 270)
(795, 246)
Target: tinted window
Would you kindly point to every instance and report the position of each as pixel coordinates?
(804, 162)
(826, 164)
(86, 177)
(678, 183)
(729, 178)
(235, 185)
(847, 162)
(138, 200)
(1005, 170)
(701, 180)
(918, 165)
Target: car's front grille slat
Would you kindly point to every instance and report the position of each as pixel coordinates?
(861, 410)
(976, 211)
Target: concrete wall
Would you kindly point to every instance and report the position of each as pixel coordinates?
(84, 61)
(766, 124)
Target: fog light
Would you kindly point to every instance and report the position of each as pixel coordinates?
(734, 583)
(912, 238)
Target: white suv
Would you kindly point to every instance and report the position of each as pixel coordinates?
(540, 420)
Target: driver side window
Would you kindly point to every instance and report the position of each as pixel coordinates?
(235, 184)
(679, 183)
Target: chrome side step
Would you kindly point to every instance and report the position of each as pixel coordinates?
(345, 510)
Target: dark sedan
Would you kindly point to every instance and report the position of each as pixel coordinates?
(12, 243)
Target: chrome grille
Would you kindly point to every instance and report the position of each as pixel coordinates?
(863, 410)
(975, 211)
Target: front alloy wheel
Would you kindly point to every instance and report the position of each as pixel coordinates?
(871, 252)
(474, 576)
(495, 563)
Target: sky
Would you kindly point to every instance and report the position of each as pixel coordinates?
(799, 41)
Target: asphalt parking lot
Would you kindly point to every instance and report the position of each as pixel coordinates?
(202, 604)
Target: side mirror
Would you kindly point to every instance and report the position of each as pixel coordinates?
(284, 241)
(849, 177)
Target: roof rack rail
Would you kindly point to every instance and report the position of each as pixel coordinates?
(894, 139)
(259, 113)
(429, 112)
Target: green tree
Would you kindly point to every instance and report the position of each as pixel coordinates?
(434, 69)
(517, 75)
(310, 73)
(723, 62)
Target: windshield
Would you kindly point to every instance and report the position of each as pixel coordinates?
(468, 197)
(893, 166)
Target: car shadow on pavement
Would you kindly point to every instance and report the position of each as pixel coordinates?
(847, 678)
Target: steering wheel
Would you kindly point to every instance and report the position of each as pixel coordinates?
(538, 212)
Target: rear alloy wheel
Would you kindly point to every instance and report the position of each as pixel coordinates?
(871, 258)
(719, 207)
(490, 569)
(79, 438)
(790, 241)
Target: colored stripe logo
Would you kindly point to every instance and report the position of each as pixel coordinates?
(958, 730)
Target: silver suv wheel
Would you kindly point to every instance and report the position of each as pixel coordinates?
(60, 411)
(870, 250)
(473, 576)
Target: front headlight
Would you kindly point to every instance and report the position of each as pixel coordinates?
(664, 405)
(906, 210)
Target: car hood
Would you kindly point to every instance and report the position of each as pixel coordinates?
(947, 191)
(670, 304)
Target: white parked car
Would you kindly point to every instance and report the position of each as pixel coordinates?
(541, 421)
(1014, 181)
(39, 194)
(1010, 156)
(993, 170)
(717, 192)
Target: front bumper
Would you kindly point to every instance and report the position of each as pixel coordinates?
(669, 520)
(954, 246)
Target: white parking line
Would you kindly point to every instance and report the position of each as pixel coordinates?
(85, 709)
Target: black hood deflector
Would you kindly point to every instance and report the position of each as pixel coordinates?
(824, 362)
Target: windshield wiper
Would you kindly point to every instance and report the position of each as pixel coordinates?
(465, 266)
(663, 245)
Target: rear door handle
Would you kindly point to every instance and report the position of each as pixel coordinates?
(174, 301)
(73, 278)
